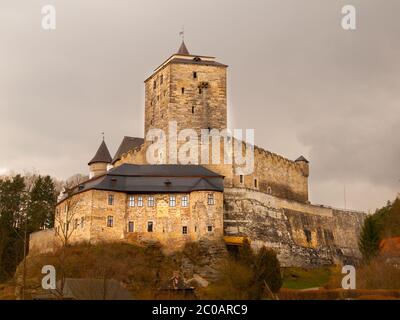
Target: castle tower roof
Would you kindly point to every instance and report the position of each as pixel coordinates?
(183, 49)
(301, 159)
(102, 155)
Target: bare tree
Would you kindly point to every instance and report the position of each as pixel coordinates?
(65, 226)
(75, 180)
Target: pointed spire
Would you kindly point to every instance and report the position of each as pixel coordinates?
(301, 159)
(102, 155)
(183, 49)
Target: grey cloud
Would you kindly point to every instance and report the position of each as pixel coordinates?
(306, 86)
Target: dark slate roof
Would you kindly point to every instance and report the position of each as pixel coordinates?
(130, 178)
(301, 158)
(183, 49)
(102, 155)
(127, 144)
(162, 170)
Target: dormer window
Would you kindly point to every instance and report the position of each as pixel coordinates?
(197, 59)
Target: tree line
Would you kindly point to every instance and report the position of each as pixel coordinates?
(384, 223)
(27, 204)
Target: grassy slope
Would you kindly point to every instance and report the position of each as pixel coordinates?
(300, 278)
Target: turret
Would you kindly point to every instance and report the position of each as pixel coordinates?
(102, 159)
(304, 165)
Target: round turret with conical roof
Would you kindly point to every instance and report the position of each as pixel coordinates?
(98, 165)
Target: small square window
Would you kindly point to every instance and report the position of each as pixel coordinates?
(110, 221)
(172, 201)
(209, 228)
(150, 226)
(131, 201)
(184, 230)
(140, 201)
(210, 199)
(150, 201)
(131, 226)
(110, 200)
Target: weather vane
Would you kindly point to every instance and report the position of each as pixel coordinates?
(102, 135)
(182, 33)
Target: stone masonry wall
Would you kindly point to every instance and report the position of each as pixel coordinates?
(44, 241)
(168, 222)
(275, 174)
(302, 234)
(174, 94)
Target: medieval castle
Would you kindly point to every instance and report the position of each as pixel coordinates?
(128, 199)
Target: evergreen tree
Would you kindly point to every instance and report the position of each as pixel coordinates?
(369, 238)
(43, 198)
(267, 268)
(12, 204)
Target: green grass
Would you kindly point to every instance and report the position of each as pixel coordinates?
(300, 278)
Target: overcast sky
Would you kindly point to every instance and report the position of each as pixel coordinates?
(304, 84)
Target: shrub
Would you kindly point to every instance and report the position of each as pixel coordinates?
(246, 276)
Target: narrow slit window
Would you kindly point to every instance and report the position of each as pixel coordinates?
(150, 226)
(110, 200)
(110, 221)
(131, 227)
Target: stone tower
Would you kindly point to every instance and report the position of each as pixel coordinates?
(98, 165)
(189, 89)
